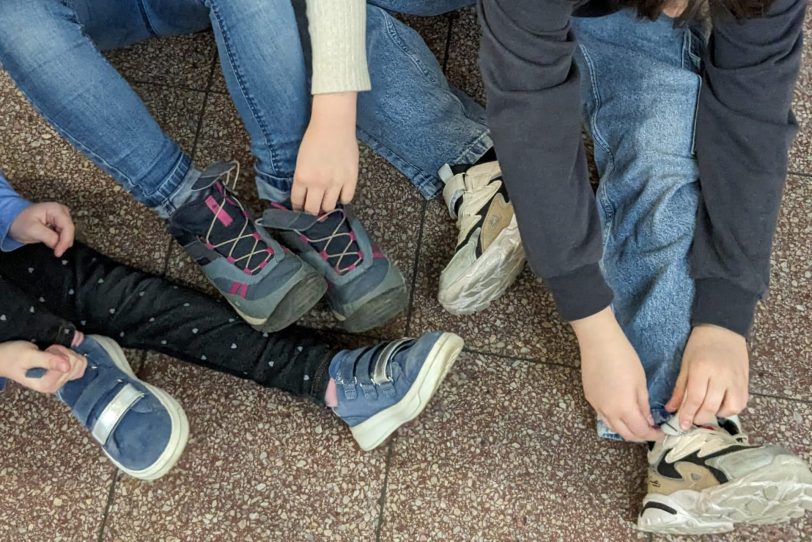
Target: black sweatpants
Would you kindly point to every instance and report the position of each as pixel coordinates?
(45, 299)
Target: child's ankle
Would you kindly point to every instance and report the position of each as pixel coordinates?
(78, 339)
(331, 395)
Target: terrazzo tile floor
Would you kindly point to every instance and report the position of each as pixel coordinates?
(506, 451)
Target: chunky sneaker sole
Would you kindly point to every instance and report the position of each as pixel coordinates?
(379, 308)
(180, 424)
(488, 278)
(307, 290)
(773, 494)
(489, 254)
(373, 432)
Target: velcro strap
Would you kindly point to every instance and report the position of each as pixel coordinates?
(283, 219)
(380, 372)
(454, 187)
(101, 386)
(113, 413)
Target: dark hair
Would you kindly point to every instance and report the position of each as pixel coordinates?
(698, 9)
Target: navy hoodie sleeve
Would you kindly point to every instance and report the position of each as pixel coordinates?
(744, 132)
(534, 112)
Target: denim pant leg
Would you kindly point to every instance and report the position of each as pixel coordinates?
(264, 67)
(640, 85)
(51, 50)
(412, 117)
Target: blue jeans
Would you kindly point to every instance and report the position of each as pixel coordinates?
(51, 49)
(640, 83)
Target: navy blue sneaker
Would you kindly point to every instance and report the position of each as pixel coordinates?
(382, 387)
(268, 286)
(141, 428)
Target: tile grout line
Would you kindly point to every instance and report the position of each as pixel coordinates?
(198, 129)
(382, 498)
(111, 494)
(415, 267)
(799, 174)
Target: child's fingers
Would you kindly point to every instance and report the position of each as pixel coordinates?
(347, 193)
(49, 361)
(694, 398)
(330, 200)
(313, 202)
(63, 224)
(45, 235)
(298, 193)
(679, 393)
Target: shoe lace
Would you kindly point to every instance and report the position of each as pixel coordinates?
(247, 232)
(338, 248)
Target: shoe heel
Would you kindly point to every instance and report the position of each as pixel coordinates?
(297, 302)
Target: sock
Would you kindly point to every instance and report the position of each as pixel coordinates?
(331, 396)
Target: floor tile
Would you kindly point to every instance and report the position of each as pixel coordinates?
(179, 61)
(800, 158)
(507, 451)
(781, 344)
(385, 203)
(42, 166)
(54, 481)
(434, 31)
(463, 55)
(782, 422)
(522, 323)
(260, 465)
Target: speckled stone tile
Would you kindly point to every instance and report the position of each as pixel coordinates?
(800, 158)
(42, 166)
(522, 323)
(385, 203)
(260, 465)
(54, 481)
(434, 30)
(508, 451)
(180, 60)
(781, 344)
(785, 423)
(463, 55)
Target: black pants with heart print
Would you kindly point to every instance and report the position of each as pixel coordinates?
(45, 299)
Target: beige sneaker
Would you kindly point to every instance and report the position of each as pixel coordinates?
(489, 254)
(709, 478)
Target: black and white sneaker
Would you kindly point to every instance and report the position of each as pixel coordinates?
(489, 254)
(710, 478)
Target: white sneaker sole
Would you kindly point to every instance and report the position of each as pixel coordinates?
(373, 432)
(773, 494)
(489, 277)
(180, 424)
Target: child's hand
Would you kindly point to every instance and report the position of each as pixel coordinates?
(48, 223)
(614, 379)
(61, 365)
(714, 377)
(327, 166)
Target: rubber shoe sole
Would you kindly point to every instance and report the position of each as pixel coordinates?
(303, 296)
(180, 424)
(373, 432)
(376, 312)
(490, 276)
(773, 494)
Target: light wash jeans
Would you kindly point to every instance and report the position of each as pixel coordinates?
(51, 49)
(640, 83)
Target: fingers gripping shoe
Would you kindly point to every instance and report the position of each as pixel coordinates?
(489, 254)
(382, 387)
(267, 285)
(141, 428)
(365, 288)
(709, 478)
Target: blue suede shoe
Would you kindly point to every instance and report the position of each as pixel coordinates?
(382, 387)
(140, 428)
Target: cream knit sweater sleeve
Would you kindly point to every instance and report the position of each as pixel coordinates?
(338, 34)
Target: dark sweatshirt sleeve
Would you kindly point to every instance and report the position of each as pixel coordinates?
(744, 132)
(534, 112)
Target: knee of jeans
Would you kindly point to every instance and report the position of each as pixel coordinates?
(29, 31)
